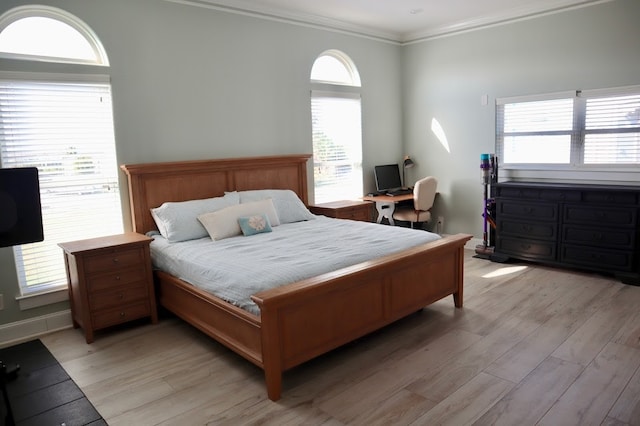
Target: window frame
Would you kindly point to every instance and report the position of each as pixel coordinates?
(78, 74)
(575, 168)
(41, 11)
(331, 89)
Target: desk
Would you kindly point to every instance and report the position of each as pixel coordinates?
(386, 205)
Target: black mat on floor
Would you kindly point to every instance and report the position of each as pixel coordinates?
(42, 393)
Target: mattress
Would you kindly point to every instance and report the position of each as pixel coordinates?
(235, 268)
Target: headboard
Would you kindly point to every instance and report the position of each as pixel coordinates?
(152, 184)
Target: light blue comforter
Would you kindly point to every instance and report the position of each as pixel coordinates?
(235, 268)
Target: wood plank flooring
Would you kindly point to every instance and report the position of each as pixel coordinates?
(532, 346)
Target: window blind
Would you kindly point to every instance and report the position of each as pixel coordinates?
(66, 131)
(536, 132)
(595, 127)
(337, 146)
(612, 130)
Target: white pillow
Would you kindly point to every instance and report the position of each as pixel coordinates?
(286, 202)
(224, 223)
(178, 221)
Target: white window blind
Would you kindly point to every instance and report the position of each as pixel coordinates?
(612, 130)
(337, 146)
(588, 128)
(66, 131)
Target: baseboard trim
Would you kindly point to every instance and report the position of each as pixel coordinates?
(34, 328)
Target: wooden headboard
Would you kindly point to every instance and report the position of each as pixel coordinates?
(152, 184)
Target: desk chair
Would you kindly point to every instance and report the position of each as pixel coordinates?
(424, 194)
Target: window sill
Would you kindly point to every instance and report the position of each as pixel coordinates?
(35, 300)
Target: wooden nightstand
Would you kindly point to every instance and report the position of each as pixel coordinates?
(345, 209)
(110, 281)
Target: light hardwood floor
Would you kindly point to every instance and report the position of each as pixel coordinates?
(532, 346)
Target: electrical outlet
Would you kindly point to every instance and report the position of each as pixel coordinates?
(1, 302)
(440, 225)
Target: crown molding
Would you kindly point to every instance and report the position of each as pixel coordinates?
(250, 8)
(550, 7)
(295, 18)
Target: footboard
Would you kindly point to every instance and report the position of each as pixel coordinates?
(305, 319)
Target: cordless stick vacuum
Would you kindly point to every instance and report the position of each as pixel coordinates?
(489, 168)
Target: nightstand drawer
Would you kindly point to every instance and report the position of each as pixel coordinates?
(345, 209)
(355, 214)
(119, 296)
(116, 278)
(114, 259)
(103, 319)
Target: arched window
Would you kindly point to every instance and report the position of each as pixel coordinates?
(63, 125)
(41, 33)
(337, 128)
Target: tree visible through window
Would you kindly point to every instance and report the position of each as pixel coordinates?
(337, 128)
(63, 125)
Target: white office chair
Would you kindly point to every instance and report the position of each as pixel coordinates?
(424, 194)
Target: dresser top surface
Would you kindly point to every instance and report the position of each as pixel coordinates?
(569, 186)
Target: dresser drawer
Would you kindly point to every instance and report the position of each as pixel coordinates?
(520, 228)
(617, 238)
(527, 249)
(532, 211)
(119, 296)
(116, 258)
(600, 215)
(102, 282)
(610, 197)
(534, 193)
(597, 258)
(123, 314)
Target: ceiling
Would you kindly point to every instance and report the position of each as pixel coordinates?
(396, 20)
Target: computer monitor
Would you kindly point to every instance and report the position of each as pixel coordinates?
(20, 209)
(387, 177)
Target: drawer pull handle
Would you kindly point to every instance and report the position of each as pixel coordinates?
(117, 277)
(597, 237)
(528, 210)
(122, 314)
(115, 260)
(120, 296)
(526, 228)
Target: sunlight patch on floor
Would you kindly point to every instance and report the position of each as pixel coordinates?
(504, 271)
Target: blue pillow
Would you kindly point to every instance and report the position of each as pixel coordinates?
(256, 224)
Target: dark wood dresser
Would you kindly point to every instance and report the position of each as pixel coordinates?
(592, 227)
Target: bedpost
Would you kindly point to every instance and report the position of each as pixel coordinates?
(457, 296)
(271, 351)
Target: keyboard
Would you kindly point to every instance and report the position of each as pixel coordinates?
(400, 191)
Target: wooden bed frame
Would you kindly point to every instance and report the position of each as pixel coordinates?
(302, 320)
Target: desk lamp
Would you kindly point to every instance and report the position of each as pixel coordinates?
(407, 163)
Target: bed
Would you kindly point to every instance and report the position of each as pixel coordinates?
(304, 319)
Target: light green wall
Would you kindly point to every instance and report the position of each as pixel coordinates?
(445, 79)
(195, 83)
(192, 83)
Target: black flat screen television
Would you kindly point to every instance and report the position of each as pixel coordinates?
(20, 209)
(387, 177)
